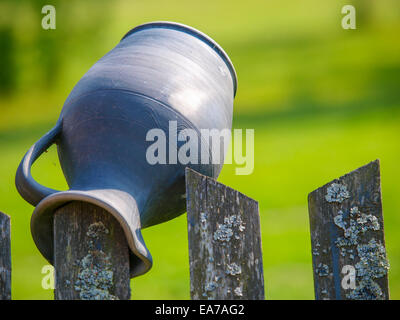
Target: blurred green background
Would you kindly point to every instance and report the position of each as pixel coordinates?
(322, 100)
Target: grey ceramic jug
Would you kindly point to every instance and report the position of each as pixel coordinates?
(159, 72)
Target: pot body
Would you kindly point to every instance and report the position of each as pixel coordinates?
(158, 73)
(161, 75)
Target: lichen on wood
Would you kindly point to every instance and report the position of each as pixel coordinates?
(95, 277)
(346, 222)
(91, 254)
(224, 241)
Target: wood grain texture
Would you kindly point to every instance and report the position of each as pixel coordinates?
(224, 241)
(5, 257)
(91, 255)
(346, 224)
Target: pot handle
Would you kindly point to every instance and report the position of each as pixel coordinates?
(27, 187)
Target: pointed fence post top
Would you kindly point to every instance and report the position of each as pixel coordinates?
(347, 237)
(224, 241)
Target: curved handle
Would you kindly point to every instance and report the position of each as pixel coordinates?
(27, 187)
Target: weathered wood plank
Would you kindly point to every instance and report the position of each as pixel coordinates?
(5, 257)
(224, 241)
(91, 255)
(347, 237)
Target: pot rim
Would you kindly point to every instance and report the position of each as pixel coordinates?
(196, 33)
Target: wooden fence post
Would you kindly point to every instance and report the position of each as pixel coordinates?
(5, 257)
(91, 255)
(347, 237)
(224, 241)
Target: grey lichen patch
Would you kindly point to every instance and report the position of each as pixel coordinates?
(233, 269)
(96, 229)
(358, 222)
(210, 286)
(235, 221)
(372, 262)
(338, 219)
(225, 231)
(95, 277)
(366, 290)
(369, 222)
(315, 252)
(203, 220)
(354, 211)
(322, 270)
(372, 265)
(337, 192)
(238, 292)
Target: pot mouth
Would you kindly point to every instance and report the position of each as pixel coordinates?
(42, 225)
(194, 32)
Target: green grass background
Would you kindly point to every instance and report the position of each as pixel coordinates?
(322, 100)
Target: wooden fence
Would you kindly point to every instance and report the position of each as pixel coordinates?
(225, 256)
(5, 257)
